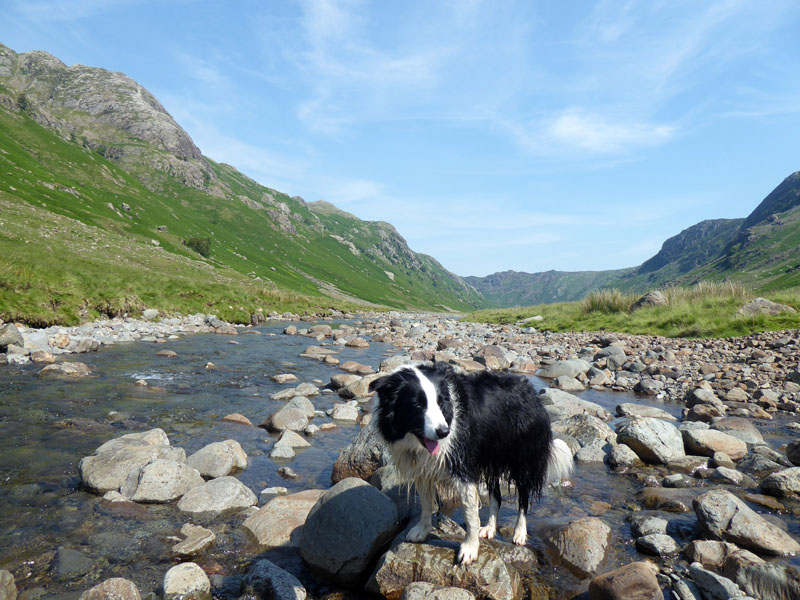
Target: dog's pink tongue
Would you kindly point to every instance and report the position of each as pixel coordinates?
(431, 446)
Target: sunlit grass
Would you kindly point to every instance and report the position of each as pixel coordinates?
(705, 310)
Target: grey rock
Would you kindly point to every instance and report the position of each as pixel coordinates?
(217, 496)
(115, 588)
(622, 457)
(567, 404)
(634, 581)
(783, 483)
(653, 440)
(762, 306)
(644, 524)
(713, 586)
(492, 576)
(9, 334)
(654, 298)
(150, 314)
(594, 451)
(793, 452)
(739, 428)
(725, 517)
(657, 544)
(108, 468)
(187, 580)
(420, 590)
(761, 579)
(218, 459)
(567, 384)
(585, 428)
(361, 458)
(570, 368)
(347, 529)
(641, 410)
(287, 417)
(707, 442)
(265, 579)
(69, 563)
(196, 541)
(733, 477)
(580, 545)
(8, 589)
(160, 481)
(278, 523)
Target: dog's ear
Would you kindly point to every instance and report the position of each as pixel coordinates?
(444, 371)
(376, 385)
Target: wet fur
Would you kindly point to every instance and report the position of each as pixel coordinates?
(499, 431)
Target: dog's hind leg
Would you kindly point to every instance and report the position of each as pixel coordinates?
(468, 551)
(488, 530)
(521, 529)
(427, 495)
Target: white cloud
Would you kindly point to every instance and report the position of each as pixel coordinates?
(575, 128)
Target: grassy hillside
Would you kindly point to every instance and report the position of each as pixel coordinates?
(706, 310)
(268, 242)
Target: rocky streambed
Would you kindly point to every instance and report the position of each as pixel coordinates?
(242, 465)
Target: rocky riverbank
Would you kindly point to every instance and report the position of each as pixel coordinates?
(713, 509)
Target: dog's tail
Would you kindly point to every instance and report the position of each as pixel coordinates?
(560, 465)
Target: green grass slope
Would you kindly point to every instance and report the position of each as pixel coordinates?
(258, 236)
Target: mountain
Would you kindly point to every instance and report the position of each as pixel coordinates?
(95, 146)
(514, 288)
(761, 250)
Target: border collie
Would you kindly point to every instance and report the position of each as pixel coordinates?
(450, 432)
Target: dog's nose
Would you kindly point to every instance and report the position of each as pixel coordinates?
(442, 431)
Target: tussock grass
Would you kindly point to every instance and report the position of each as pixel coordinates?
(708, 309)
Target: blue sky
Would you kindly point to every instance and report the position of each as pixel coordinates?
(494, 135)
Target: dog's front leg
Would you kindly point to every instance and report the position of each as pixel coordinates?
(421, 530)
(468, 551)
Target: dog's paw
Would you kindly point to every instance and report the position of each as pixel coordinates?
(467, 553)
(418, 533)
(520, 538)
(487, 531)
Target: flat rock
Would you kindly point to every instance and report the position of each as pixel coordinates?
(570, 368)
(217, 496)
(707, 442)
(725, 517)
(657, 544)
(630, 409)
(567, 404)
(585, 428)
(196, 541)
(762, 306)
(279, 522)
(432, 561)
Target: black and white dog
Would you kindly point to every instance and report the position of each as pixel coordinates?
(450, 432)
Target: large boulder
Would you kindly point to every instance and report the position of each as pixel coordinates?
(762, 306)
(705, 442)
(218, 459)
(725, 517)
(217, 496)
(349, 526)
(654, 298)
(491, 576)
(280, 522)
(160, 481)
(655, 441)
(585, 428)
(287, 417)
(108, 468)
(580, 545)
(740, 428)
(361, 458)
(629, 409)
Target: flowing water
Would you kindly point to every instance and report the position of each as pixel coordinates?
(58, 540)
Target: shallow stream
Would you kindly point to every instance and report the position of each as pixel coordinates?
(59, 540)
